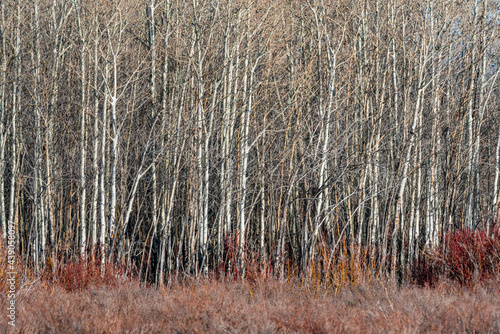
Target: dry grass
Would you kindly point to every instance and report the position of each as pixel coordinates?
(345, 296)
(272, 307)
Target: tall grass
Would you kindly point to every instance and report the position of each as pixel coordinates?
(466, 257)
(339, 291)
(214, 306)
(69, 273)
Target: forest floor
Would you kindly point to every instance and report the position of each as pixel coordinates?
(209, 306)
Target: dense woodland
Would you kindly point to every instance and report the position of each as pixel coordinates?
(201, 137)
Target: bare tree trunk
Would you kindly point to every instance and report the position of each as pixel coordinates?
(150, 10)
(202, 220)
(470, 212)
(104, 133)
(3, 134)
(83, 139)
(114, 148)
(39, 220)
(95, 159)
(58, 52)
(16, 107)
(325, 113)
(496, 199)
(432, 218)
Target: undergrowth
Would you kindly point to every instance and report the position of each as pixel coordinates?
(80, 273)
(70, 273)
(465, 257)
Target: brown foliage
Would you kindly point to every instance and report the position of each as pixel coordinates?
(220, 307)
(466, 257)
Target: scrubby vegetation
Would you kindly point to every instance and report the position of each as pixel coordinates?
(214, 306)
(226, 137)
(466, 257)
(211, 152)
(456, 289)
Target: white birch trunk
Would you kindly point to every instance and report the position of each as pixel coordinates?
(39, 221)
(95, 159)
(104, 133)
(83, 148)
(496, 183)
(114, 148)
(16, 107)
(152, 50)
(3, 135)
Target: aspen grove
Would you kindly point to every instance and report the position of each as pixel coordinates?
(227, 137)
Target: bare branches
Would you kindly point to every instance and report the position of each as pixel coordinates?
(223, 132)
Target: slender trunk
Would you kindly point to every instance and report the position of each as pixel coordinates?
(39, 221)
(95, 162)
(152, 53)
(16, 107)
(3, 135)
(83, 140)
(113, 156)
(496, 199)
(471, 163)
(104, 134)
(245, 119)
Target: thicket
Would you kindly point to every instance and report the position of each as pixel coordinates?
(324, 141)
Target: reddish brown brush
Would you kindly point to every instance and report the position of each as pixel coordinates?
(228, 267)
(79, 296)
(466, 257)
(211, 306)
(80, 273)
(17, 266)
(347, 265)
(471, 255)
(255, 268)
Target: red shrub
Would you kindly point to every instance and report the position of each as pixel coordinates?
(466, 256)
(79, 274)
(471, 255)
(228, 267)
